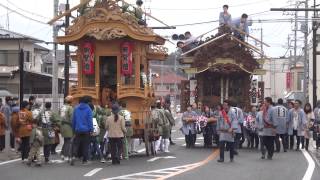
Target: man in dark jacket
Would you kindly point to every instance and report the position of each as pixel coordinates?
(82, 126)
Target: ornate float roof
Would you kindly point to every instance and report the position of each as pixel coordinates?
(107, 21)
(222, 53)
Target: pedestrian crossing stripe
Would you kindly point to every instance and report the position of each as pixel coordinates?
(162, 174)
(155, 174)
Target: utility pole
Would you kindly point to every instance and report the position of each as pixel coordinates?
(315, 27)
(55, 83)
(306, 59)
(295, 34)
(314, 56)
(66, 55)
(21, 66)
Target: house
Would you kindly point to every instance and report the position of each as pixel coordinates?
(168, 84)
(35, 81)
(283, 78)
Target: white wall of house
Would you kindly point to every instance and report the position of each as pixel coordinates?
(275, 77)
(310, 89)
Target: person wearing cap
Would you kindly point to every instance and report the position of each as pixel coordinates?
(115, 125)
(66, 127)
(82, 126)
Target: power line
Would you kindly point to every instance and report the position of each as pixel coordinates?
(204, 9)
(26, 11)
(22, 15)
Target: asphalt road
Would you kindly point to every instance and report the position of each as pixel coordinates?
(180, 163)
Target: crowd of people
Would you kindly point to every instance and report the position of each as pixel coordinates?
(265, 127)
(89, 132)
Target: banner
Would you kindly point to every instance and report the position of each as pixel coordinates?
(87, 58)
(126, 58)
(288, 81)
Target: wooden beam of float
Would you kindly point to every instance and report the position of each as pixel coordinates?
(249, 46)
(201, 35)
(246, 44)
(242, 32)
(204, 44)
(68, 12)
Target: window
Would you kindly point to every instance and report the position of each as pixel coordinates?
(27, 56)
(48, 69)
(3, 58)
(300, 81)
(9, 58)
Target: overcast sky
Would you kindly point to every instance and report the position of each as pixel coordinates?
(172, 12)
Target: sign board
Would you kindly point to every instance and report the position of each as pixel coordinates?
(259, 72)
(193, 92)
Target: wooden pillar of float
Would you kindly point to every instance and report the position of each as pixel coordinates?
(221, 90)
(227, 88)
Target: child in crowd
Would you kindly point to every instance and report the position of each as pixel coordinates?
(36, 143)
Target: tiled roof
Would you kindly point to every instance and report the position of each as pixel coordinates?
(6, 34)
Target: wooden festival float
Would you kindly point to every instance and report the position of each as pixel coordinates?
(113, 53)
(222, 67)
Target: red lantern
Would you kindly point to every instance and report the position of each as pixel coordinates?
(126, 58)
(87, 58)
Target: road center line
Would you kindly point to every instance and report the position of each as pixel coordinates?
(311, 165)
(91, 173)
(214, 154)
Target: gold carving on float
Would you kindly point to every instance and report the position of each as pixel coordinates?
(259, 72)
(105, 33)
(157, 49)
(108, 11)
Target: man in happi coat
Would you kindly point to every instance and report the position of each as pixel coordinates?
(226, 126)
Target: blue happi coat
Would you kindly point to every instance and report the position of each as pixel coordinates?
(188, 127)
(222, 126)
(269, 120)
(280, 114)
(302, 121)
(240, 118)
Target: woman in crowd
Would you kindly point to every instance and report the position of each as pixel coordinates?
(310, 121)
(115, 125)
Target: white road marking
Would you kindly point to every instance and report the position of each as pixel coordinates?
(15, 160)
(57, 161)
(155, 174)
(11, 161)
(183, 138)
(165, 157)
(153, 159)
(311, 165)
(141, 150)
(94, 171)
(195, 144)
